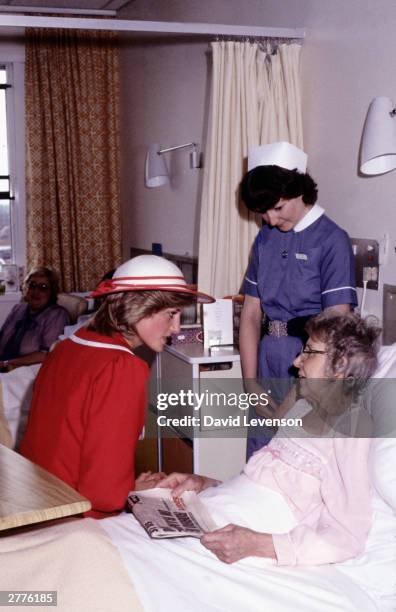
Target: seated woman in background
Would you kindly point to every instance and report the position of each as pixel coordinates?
(305, 498)
(89, 400)
(33, 326)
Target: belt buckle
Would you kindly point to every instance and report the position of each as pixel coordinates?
(277, 328)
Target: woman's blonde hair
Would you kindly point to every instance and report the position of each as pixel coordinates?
(120, 312)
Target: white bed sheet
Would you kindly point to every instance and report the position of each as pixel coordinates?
(375, 569)
(17, 387)
(180, 574)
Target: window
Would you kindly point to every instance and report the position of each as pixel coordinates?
(5, 194)
(12, 200)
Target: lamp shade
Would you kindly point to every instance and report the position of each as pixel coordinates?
(156, 173)
(378, 148)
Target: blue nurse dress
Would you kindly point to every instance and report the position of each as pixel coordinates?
(298, 273)
(294, 274)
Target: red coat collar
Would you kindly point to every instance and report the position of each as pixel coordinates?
(116, 338)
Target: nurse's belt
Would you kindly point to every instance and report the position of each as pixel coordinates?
(117, 347)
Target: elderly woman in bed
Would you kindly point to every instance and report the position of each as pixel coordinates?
(311, 486)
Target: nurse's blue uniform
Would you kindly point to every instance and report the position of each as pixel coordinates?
(295, 274)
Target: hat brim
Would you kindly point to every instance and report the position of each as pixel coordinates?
(107, 288)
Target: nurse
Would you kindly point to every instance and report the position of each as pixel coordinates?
(302, 263)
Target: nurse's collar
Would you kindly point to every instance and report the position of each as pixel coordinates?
(311, 216)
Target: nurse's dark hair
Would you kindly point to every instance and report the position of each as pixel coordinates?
(263, 187)
(352, 345)
(120, 312)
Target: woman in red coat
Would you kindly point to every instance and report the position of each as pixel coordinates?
(89, 400)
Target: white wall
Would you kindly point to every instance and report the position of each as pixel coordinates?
(12, 46)
(348, 58)
(163, 101)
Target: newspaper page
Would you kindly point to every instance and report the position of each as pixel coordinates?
(162, 517)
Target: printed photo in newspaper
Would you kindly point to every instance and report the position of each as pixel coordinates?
(162, 517)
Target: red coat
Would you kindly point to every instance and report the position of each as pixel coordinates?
(86, 416)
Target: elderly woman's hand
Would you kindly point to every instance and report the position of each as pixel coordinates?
(148, 480)
(232, 543)
(179, 483)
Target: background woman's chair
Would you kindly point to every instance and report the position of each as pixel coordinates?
(75, 305)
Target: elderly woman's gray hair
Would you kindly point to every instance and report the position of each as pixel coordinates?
(351, 342)
(52, 278)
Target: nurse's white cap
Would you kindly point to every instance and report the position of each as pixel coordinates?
(282, 154)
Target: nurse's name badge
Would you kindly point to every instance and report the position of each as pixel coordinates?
(302, 256)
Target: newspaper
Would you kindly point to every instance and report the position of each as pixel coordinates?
(162, 517)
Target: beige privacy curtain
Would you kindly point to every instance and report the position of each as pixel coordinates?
(255, 100)
(72, 130)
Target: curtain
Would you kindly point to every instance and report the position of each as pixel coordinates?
(255, 99)
(72, 168)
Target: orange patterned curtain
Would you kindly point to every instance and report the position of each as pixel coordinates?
(72, 169)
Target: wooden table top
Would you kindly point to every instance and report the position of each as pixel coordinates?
(30, 494)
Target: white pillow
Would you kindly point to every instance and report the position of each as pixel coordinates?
(380, 401)
(382, 469)
(386, 362)
(375, 569)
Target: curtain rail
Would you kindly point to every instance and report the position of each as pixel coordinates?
(126, 25)
(50, 10)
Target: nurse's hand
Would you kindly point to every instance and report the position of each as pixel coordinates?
(232, 543)
(148, 480)
(260, 400)
(268, 408)
(187, 482)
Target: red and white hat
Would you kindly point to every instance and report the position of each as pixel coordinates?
(148, 273)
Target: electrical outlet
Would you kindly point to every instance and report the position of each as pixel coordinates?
(366, 253)
(370, 274)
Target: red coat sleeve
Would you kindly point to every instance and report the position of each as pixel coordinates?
(114, 418)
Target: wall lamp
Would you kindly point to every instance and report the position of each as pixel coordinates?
(378, 146)
(156, 173)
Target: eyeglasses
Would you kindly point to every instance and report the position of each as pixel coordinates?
(40, 286)
(307, 352)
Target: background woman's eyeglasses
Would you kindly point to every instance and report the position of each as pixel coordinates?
(40, 286)
(306, 352)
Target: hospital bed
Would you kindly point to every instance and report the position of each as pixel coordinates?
(112, 565)
(16, 388)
